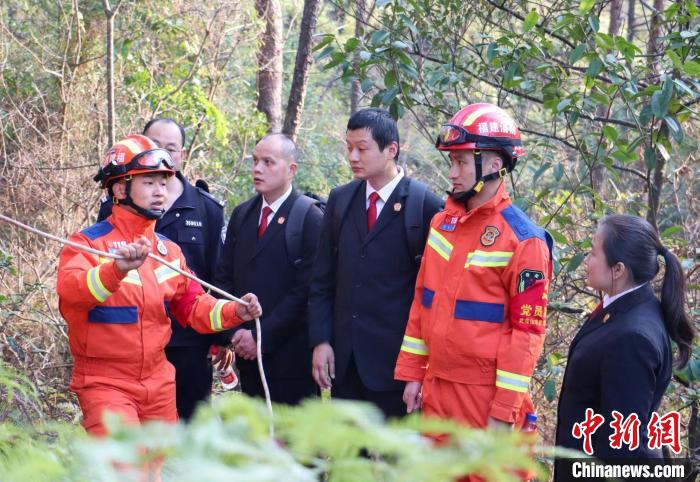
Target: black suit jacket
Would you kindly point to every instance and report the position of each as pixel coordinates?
(249, 265)
(363, 284)
(621, 363)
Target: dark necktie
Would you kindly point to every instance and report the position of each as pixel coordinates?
(263, 221)
(372, 210)
(596, 311)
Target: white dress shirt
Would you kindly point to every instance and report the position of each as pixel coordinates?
(609, 299)
(274, 206)
(384, 192)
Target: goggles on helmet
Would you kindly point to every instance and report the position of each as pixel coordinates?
(451, 135)
(152, 159)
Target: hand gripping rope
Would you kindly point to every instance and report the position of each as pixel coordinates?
(183, 273)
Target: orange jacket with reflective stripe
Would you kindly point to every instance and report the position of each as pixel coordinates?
(478, 313)
(118, 324)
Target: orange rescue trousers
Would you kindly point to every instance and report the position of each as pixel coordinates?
(468, 405)
(137, 401)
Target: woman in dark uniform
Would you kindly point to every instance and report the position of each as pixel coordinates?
(621, 359)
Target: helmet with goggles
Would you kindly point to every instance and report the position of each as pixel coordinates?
(483, 127)
(135, 154)
(131, 156)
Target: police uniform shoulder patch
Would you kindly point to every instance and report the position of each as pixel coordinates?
(207, 195)
(488, 237)
(527, 278)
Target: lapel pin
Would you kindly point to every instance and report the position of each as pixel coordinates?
(280, 220)
(606, 317)
(397, 207)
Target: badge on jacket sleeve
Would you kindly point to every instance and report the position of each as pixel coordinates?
(527, 278)
(488, 237)
(160, 246)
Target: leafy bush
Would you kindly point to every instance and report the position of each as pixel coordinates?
(228, 440)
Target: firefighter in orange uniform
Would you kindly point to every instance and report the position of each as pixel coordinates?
(477, 323)
(117, 309)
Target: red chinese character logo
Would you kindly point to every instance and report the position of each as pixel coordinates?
(587, 428)
(665, 430)
(626, 431)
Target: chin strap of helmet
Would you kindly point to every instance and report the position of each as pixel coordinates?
(146, 213)
(464, 196)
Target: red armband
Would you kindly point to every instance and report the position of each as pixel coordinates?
(528, 309)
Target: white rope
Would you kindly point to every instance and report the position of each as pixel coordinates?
(184, 273)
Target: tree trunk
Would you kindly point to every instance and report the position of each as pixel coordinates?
(656, 184)
(615, 17)
(110, 13)
(630, 20)
(356, 90)
(599, 174)
(270, 63)
(295, 103)
(653, 48)
(110, 79)
(654, 45)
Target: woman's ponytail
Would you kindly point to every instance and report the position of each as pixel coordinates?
(678, 325)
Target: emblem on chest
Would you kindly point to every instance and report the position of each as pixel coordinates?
(160, 246)
(488, 237)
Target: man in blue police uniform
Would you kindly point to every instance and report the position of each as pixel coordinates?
(194, 220)
(271, 241)
(373, 235)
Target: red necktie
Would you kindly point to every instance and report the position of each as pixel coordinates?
(596, 311)
(372, 210)
(263, 220)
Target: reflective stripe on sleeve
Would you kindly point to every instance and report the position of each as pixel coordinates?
(94, 284)
(215, 318)
(512, 381)
(414, 345)
(440, 244)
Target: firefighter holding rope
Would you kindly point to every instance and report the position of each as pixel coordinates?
(117, 310)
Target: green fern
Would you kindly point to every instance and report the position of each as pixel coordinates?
(228, 440)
